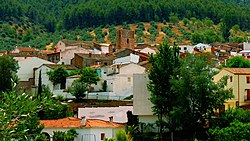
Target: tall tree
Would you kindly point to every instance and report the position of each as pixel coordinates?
(40, 89)
(198, 95)
(163, 65)
(8, 69)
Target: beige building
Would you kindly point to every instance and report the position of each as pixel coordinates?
(141, 103)
(239, 81)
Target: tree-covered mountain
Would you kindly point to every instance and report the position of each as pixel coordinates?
(87, 13)
(39, 22)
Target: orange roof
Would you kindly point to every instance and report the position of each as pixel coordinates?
(102, 123)
(62, 123)
(71, 122)
(243, 71)
(48, 51)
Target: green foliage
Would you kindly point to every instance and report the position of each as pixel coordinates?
(41, 137)
(237, 62)
(109, 139)
(65, 136)
(8, 69)
(122, 136)
(197, 94)
(168, 31)
(52, 108)
(18, 117)
(197, 37)
(185, 21)
(232, 124)
(104, 85)
(58, 75)
(173, 18)
(79, 89)
(237, 131)
(163, 65)
(89, 76)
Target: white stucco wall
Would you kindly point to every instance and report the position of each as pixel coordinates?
(186, 48)
(86, 134)
(141, 103)
(69, 53)
(44, 76)
(246, 46)
(148, 50)
(123, 82)
(103, 113)
(27, 65)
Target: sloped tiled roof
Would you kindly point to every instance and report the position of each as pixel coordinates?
(68, 67)
(90, 123)
(62, 123)
(71, 122)
(243, 71)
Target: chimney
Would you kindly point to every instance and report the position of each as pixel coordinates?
(111, 119)
(83, 119)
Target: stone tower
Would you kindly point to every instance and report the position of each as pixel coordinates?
(125, 39)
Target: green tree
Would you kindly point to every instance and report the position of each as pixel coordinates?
(185, 21)
(104, 86)
(197, 37)
(58, 76)
(163, 65)
(122, 136)
(89, 76)
(65, 136)
(197, 94)
(237, 62)
(8, 69)
(79, 89)
(173, 18)
(18, 117)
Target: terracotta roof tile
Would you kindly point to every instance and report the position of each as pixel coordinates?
(62, 123)
(71, 122)
(102, 123)
(243, 71)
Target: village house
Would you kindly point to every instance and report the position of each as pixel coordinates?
(239, 81)
(132, 58)
(118, 114)
(45, 68)
(84, 60)
(119, 80)
(142, 107)
(25, 73)
(25, 50)
(87, 129)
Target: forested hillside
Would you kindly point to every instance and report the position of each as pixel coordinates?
(39, 22)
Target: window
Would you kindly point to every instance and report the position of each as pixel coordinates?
(185, 48)
(248, 94)
(231, 78)
(248, 79)
(102, 136)
(129, 79)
